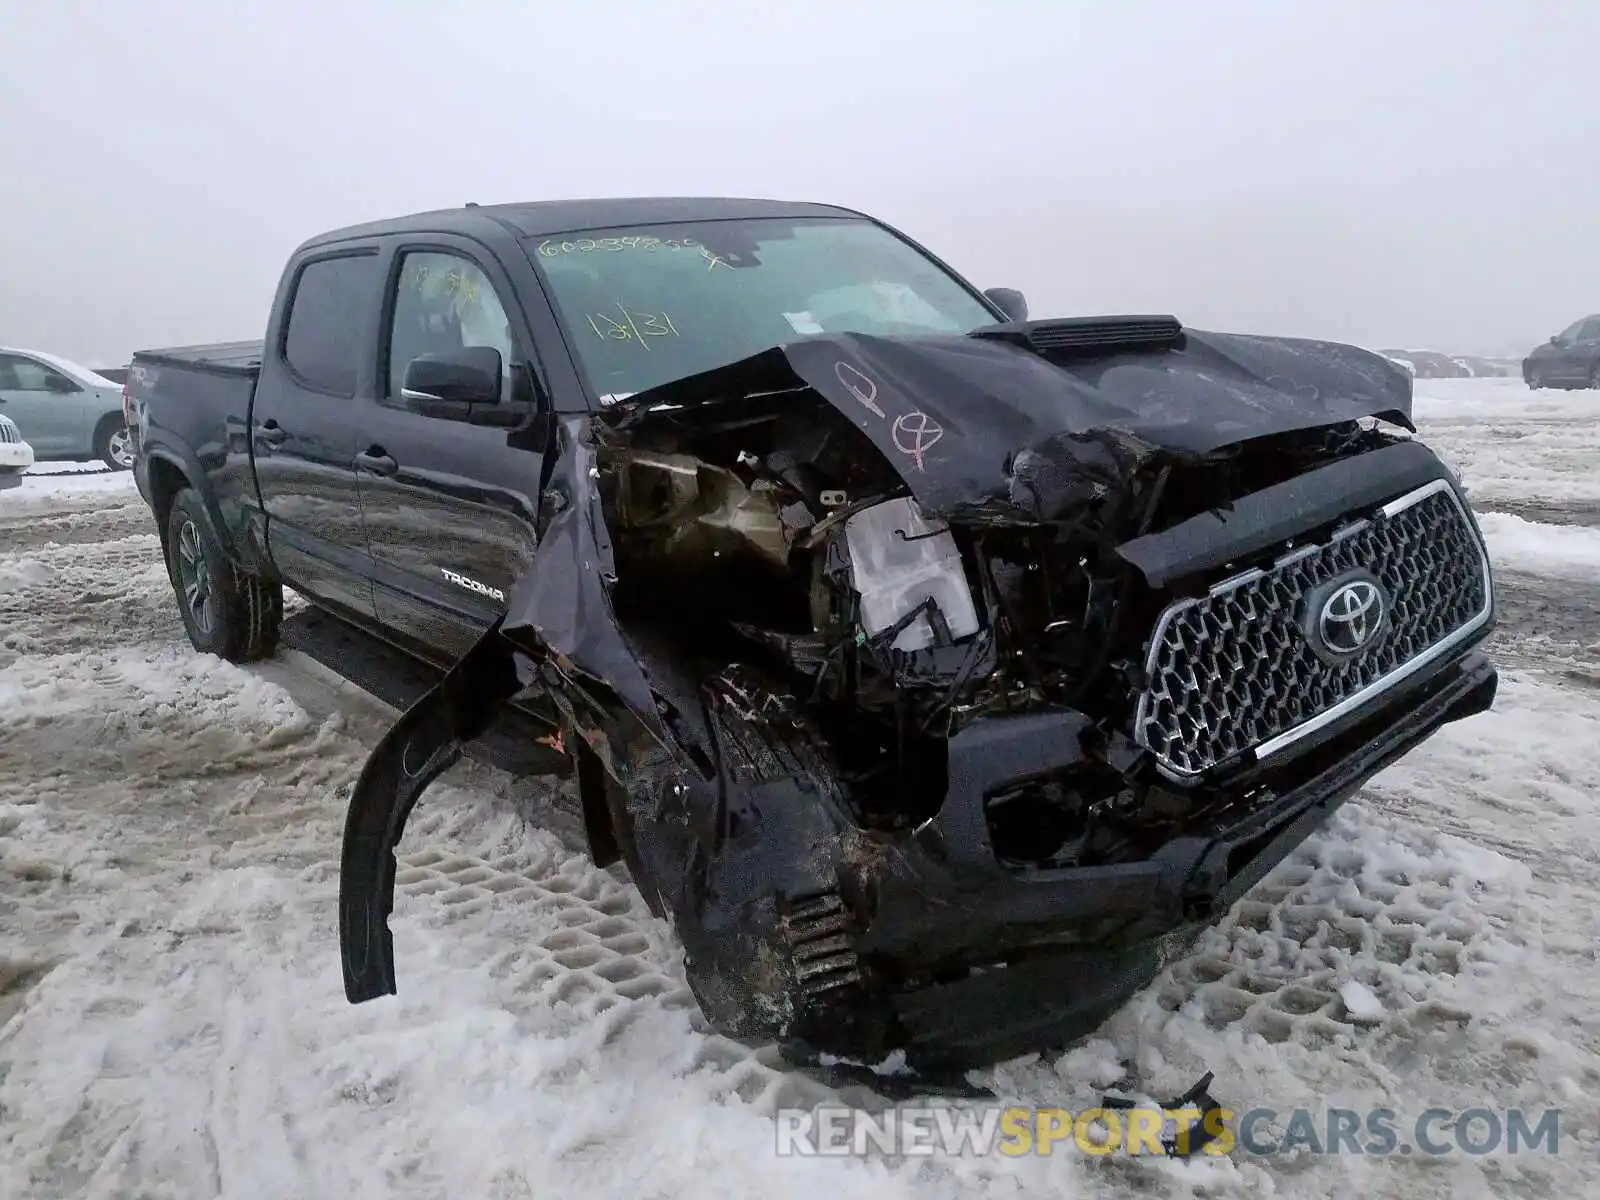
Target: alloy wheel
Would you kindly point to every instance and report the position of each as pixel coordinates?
(120, 446)
(193, 577)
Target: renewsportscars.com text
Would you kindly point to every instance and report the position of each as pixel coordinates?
(1256, 1132)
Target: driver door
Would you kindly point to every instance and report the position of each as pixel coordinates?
(46, 406)
(449, 507)
(1575, 351)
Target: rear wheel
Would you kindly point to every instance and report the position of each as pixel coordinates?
(113, 444)
(225, 610)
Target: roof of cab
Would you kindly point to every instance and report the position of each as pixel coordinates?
(543, 218)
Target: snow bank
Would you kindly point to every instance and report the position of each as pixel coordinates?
(1510, 443)
(41, 488)
(1569, 551)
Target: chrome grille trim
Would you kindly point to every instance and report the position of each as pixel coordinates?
(1187, 765)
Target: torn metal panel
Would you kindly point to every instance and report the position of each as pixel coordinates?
(560, 611)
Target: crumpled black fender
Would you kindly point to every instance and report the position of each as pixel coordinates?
(558, 633)
(424, 743)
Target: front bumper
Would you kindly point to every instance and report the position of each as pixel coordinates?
(1076, 944)
(15, 456)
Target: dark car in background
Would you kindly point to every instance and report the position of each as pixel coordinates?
(1571, 359)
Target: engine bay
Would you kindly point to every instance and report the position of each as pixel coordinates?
(766, 528)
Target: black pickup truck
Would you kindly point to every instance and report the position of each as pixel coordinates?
(939, 672)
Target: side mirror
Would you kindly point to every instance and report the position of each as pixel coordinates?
(1010, 301)
(461, 379)
(1555, 339)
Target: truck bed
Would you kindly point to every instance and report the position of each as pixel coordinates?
(222, 358)
(191, 405)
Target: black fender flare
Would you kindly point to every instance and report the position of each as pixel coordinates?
(189, 470)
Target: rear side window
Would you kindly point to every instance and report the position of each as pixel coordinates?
(328, 321)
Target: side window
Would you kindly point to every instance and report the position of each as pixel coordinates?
(444, 303)
(327, 331)
(1590, 331)
(1573, 332)
(25, 375)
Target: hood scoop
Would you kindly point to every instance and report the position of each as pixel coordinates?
(1085, 337)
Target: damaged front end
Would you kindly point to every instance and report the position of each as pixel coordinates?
(939, 689)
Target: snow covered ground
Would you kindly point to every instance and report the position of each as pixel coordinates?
(172, 1020)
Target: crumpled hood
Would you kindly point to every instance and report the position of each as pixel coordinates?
(973, 423)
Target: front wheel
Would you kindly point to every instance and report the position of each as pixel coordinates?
(225, 610)
(113, 444)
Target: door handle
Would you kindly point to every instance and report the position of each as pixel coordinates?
(376, 462)
(271, 435)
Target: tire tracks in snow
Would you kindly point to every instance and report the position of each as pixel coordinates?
(184, 847)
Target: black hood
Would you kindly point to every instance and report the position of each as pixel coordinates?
(979, 422)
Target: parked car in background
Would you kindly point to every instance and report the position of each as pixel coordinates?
(1571, 359)
(68, 412)
(16, 456)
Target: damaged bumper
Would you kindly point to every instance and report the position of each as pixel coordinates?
(1041, 957)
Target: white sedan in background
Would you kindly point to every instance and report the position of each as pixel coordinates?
(16, 456)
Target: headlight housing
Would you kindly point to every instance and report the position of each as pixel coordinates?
(900, 560)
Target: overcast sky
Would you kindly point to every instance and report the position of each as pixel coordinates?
(1421, 174)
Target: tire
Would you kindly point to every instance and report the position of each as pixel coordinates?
(225, 610)
(113, 444)
(1594, 376)
(1535, 381)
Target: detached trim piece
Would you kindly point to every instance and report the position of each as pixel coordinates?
(1259, 629)
(425, 742)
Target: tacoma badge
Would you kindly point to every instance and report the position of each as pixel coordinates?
(472, 585)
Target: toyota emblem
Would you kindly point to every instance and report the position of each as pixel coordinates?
(1349, 618)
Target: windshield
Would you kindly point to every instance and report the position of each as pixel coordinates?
(655, 303)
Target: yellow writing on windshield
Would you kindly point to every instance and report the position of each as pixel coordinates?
(632, 325)
(550, 248)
